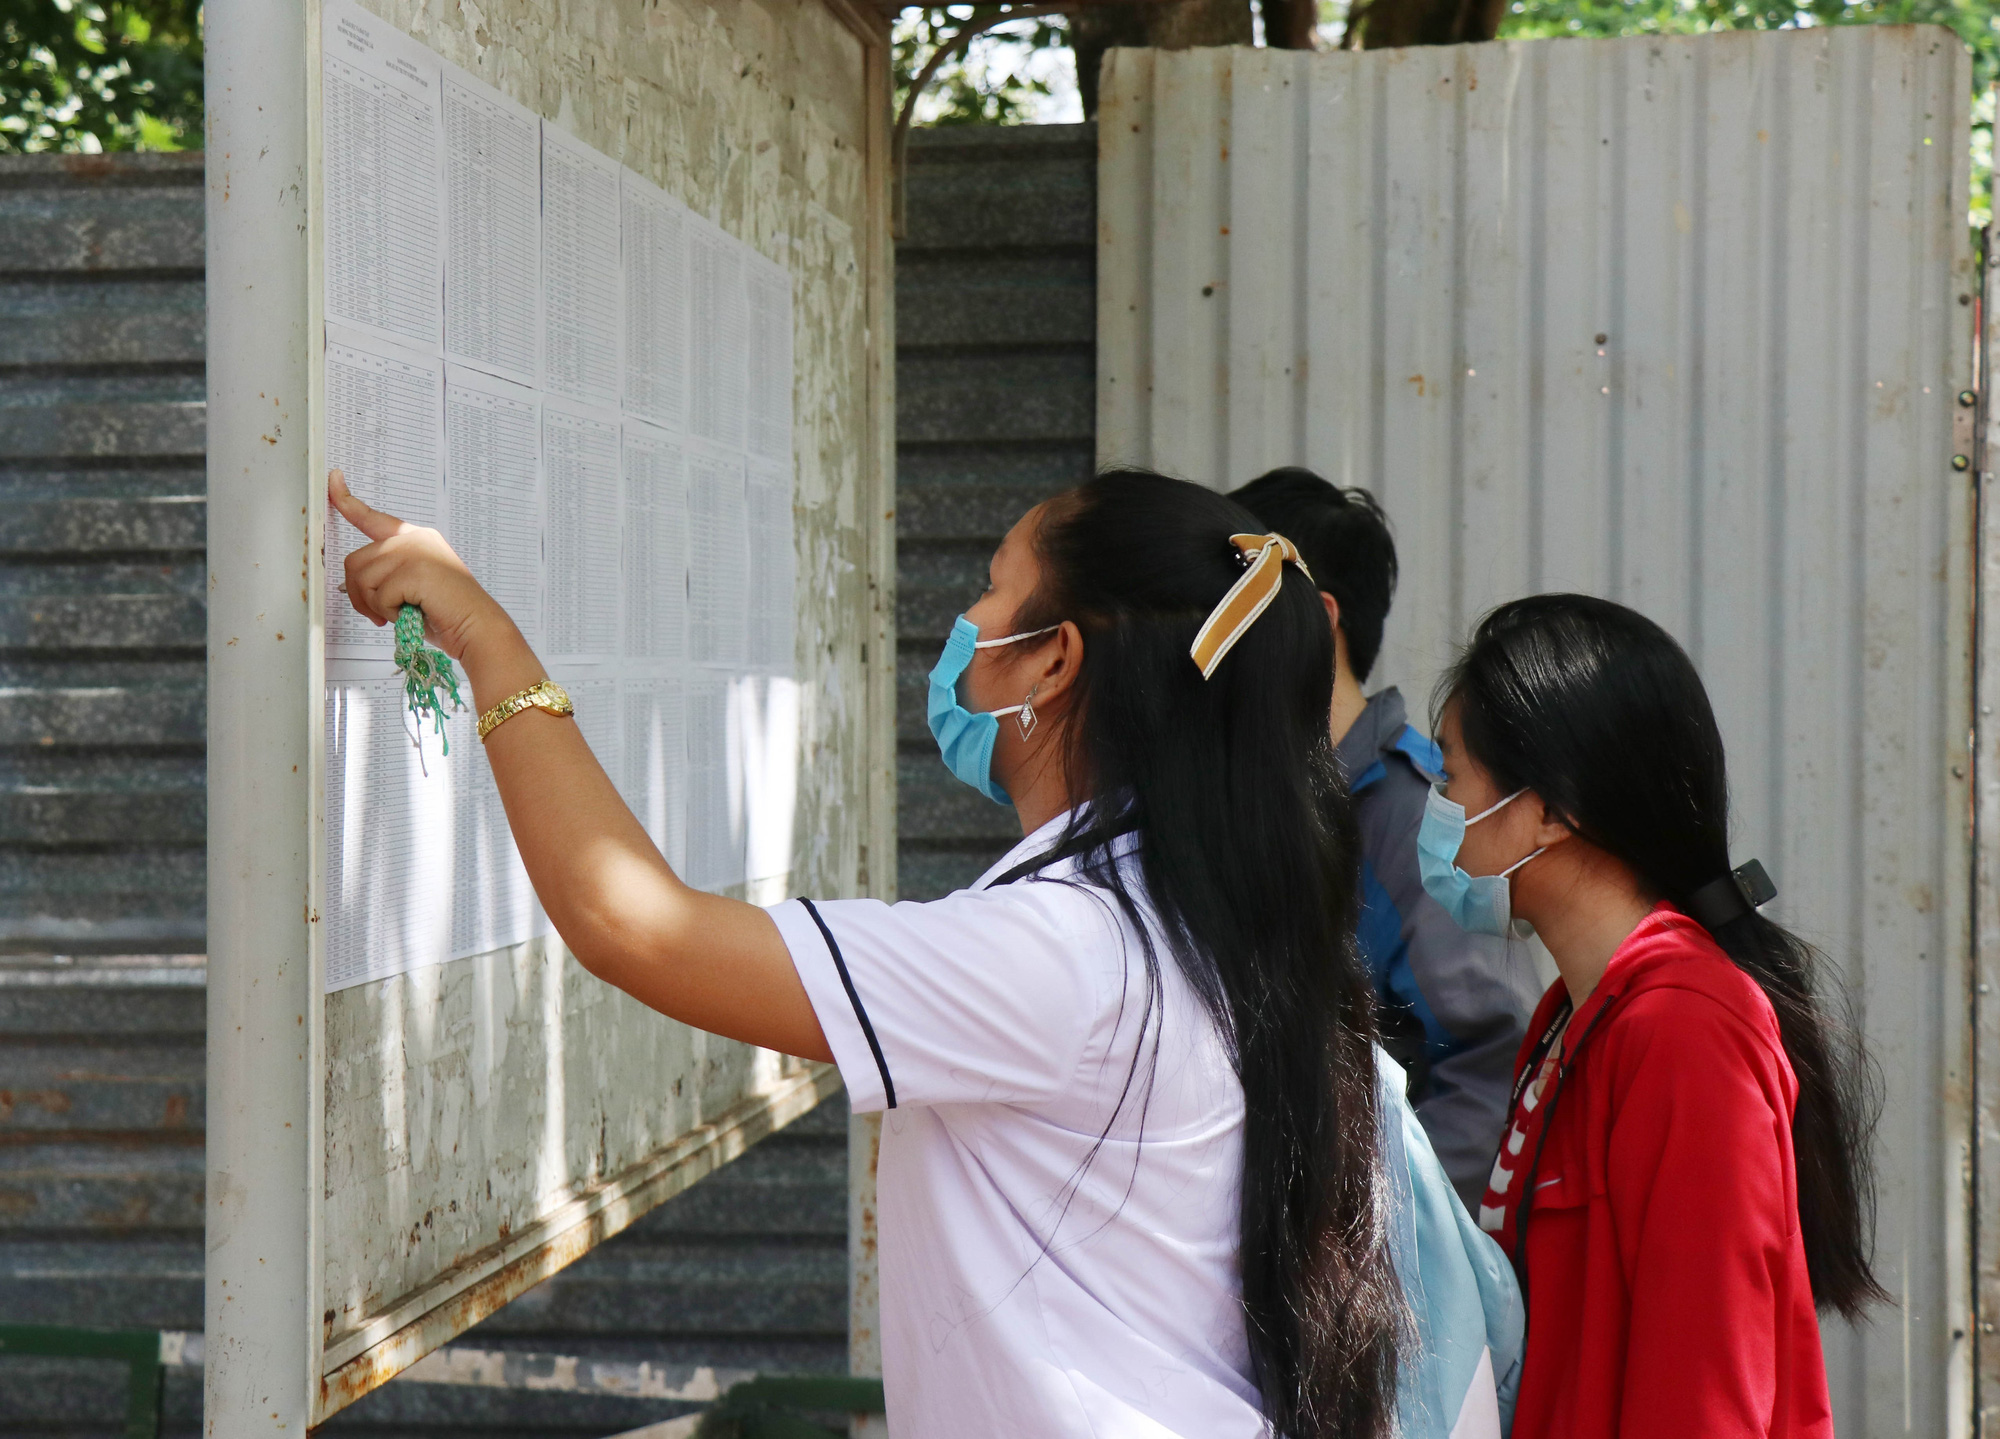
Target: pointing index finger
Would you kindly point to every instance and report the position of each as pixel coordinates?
(376, 524)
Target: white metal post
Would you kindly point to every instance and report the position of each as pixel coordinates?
(262, 1022)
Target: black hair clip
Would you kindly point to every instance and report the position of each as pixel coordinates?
(1726, 899)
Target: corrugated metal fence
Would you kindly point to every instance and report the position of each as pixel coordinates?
(101, 801)
(995, 377)
(101, 534)
(1678, 321)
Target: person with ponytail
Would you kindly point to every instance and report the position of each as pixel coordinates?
(1130, 1178)
(1685, 1177)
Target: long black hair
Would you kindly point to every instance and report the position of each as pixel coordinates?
(1247, 852)
(1601, 714)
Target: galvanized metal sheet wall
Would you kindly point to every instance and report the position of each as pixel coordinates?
(101, 535)
(1677, 321)
(101, 745)
(995, 320)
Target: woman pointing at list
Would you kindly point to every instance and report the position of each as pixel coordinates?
(1129, 1179)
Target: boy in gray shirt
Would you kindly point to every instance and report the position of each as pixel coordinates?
(1452, 1006)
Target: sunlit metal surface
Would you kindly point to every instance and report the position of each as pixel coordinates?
(1679, 321)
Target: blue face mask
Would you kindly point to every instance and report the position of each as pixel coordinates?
(1481, 904)
(964, 738)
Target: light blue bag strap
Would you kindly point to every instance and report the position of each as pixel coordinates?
(1460, 1288)
(1500, 1298)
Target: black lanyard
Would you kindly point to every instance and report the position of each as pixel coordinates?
(1527, 1200)
(1077, 844)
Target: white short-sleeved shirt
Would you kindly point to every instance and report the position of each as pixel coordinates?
(1035, 1281)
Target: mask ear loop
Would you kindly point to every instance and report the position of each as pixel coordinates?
(1011, 639)
(1026, 718)
(1496, 808)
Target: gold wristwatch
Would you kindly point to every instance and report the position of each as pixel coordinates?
(544, 695)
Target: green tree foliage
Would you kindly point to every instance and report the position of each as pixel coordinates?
(82, 76)
(999, 80)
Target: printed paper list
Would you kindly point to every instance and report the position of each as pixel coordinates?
(656, 560)
(655, 253)
(493, 258)
(383, 256)
(492, 439)
(382, 429)
(719, 560)
(716, 305)
(588, 388)
(580, 459)
(580, 260)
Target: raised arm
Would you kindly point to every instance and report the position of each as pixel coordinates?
(718, 964)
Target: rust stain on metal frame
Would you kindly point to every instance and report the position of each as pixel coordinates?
(366, 1357)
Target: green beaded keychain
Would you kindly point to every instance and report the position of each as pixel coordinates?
(425, 672)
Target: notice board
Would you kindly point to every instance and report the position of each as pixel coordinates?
(600, 296)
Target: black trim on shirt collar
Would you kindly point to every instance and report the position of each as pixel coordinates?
(847, 983)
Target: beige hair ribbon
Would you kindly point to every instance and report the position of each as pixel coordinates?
(1248, 598)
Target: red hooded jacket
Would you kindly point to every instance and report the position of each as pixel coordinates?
(1666, 1277)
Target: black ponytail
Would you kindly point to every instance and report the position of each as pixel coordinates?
(1247, 849)
(1598, 711)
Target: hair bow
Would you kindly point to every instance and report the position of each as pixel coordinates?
(1248, 598)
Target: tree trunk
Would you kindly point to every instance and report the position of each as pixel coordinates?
(1290, 24)
(1390, 24)
(1157, 25)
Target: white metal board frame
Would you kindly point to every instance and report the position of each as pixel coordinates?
(1678, 321)
(1981, 440)
(275, 1366)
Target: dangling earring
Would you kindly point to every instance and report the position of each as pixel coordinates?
(1026, 718)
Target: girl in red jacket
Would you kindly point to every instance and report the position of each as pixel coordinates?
(1684, 1178)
